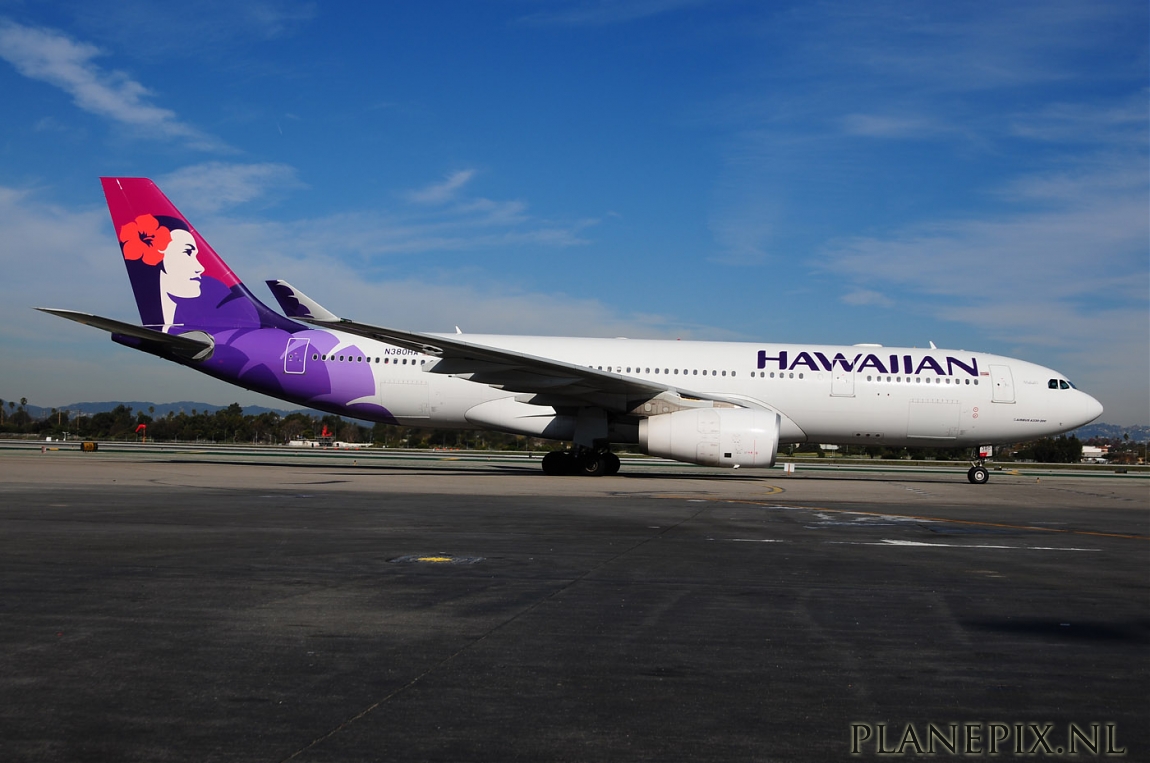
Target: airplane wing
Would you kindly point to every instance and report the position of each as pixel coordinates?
(193, 346)
(543, 381)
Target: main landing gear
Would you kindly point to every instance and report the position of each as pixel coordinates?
(587, 462)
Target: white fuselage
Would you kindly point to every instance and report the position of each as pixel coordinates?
(826, 394)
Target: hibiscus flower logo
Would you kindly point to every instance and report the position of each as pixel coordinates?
(145, 238)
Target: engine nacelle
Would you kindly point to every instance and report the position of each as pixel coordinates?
(713, 436)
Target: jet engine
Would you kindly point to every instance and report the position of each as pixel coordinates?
(729, 437)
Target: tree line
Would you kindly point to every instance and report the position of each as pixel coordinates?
(231, 425)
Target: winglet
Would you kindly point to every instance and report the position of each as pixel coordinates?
(296, 304)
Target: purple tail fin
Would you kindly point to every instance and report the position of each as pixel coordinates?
(179, 281)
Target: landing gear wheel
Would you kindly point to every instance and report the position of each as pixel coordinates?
(978, 475)
(557, 463)
(612, 464)
(592, 464)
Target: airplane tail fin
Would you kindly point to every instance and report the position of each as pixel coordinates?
(178, 279)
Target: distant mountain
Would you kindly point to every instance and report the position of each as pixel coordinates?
(161, 409)
(1137, 433)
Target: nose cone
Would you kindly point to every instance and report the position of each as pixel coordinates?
(1093, 409)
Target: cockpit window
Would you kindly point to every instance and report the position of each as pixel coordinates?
(1052, 384)
(1064, 384)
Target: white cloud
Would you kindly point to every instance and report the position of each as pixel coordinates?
(1088, 249)
(886, 126)
(365, 235)
(604, 12)
(274, 19)
(865, 297)
(1097, 122)
(52, 57)
(441, 193)
(963, 47)
(211, 186)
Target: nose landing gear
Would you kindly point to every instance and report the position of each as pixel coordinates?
(978, 475)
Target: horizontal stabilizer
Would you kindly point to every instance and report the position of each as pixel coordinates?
(194, 346)
(296, 304)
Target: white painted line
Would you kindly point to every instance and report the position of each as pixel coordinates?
(920, 544)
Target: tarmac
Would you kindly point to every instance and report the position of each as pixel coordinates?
(198, 606)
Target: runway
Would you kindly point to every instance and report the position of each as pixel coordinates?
(180, 606)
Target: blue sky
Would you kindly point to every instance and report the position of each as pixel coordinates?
(830, 172)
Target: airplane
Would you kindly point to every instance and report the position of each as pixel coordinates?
(724, 404)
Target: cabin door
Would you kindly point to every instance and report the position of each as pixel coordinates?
(295, 356)
(842, 381)
(1003, 384)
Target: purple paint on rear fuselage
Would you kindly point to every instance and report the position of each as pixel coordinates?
(181, 285)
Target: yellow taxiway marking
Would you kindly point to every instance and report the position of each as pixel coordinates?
(433, 559)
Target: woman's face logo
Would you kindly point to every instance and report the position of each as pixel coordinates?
(181, 268)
